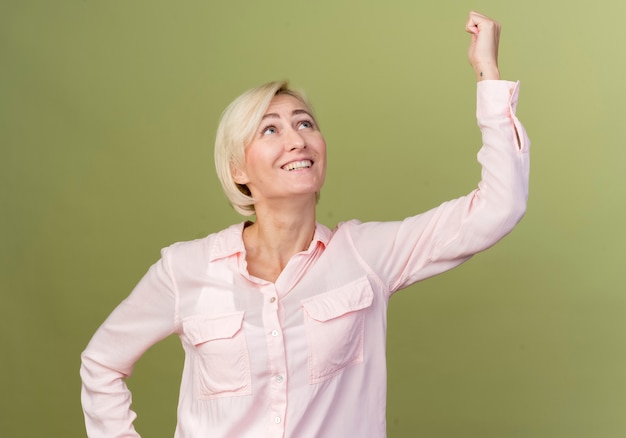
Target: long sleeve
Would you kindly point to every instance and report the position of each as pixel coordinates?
(144, 318)
(401, 253)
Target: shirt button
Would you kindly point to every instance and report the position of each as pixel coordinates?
(274, 332)
(276, 420)
(278, 379)
(272, 299)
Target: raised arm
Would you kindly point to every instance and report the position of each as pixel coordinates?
(401, 253)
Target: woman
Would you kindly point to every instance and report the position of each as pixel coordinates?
(282, 320)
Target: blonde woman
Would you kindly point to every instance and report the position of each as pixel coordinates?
(283, 321)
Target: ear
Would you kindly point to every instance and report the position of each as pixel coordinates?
(239, 175)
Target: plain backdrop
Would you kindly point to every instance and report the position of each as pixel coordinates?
(108, 111)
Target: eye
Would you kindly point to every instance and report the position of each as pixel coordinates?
(305, 124)
(269, 130)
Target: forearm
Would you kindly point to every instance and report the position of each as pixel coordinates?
(106, 401)
(500, 200)
(140, 321)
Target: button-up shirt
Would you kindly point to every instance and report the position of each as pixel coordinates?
(303, 356)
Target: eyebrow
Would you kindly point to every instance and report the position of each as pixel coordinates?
(293, 113)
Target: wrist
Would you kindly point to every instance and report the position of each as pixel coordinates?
(487, 72)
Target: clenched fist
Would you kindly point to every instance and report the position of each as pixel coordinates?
(483, 50)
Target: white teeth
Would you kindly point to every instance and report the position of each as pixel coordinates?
(296, 165)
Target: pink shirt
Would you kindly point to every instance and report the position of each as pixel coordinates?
(304, 356)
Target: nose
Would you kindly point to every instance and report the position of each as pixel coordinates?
(294, 140)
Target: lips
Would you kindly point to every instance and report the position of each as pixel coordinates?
(298, 165)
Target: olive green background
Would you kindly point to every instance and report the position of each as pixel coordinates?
(108, 111)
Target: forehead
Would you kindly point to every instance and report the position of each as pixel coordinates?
(285, 102)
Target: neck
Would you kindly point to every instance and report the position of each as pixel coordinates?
(277, 235)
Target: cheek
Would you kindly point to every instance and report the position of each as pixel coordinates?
(257, 159)
(319, 143)
(323, 150)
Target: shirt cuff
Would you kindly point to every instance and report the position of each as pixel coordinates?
(496, 98)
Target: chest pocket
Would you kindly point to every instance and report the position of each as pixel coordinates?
(221, 361)
(334, 323)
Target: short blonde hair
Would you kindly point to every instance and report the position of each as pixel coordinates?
(235, 131)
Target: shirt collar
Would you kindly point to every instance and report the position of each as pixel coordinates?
(229, 242)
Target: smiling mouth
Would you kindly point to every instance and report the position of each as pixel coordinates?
(298, 165)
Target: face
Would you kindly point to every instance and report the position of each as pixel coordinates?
(287, 156)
